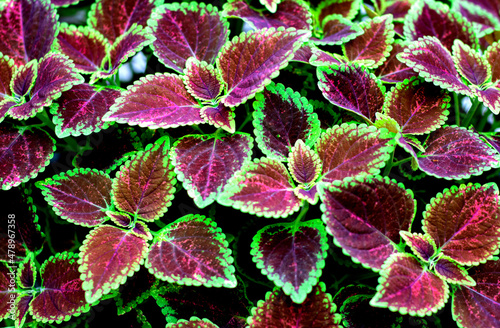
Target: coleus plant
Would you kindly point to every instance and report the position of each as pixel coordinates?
(338, 94)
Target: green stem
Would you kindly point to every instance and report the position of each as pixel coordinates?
(484, 120)
(305, 208)
(471, 113)
(457, 108)
(402, 161)
(389, 165)
(248, 118)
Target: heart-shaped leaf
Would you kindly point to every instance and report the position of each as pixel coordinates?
(308, 193)
(156, 101)
(405, 286)
(455, 153)
(192, 251)
(471, 64)
(193, 322)
(392, 70)
(337, 30)
(184, 30)
(145, 184)
(24, 78)
(365, 215)
(352, 87)
(205, 163)
(23, 154)
(202, 80)
(80, 196)
(26, 273)
(452, 272)
(347, 8)
(464, 222)
(291, 256)
(250, 61)
(282, 117)
(108, 256)
(304, 163)
(422, 245)
(219, 116)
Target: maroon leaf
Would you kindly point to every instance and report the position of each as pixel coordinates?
(185, 30)
(451, 272)
(22, 306)
(64, 3)
(347, 8)
(464, 222)
(492, 55)
(337, 30)
(202, 80)
(24, 79)
(322, 58)
(26, 273)
(142, 230)
(6, 72)
(490, 98)
(193, 322)
(304, 163)
(307, 193)
(220, 117)
(422, 245)
(484, 15)
(393, 70)
(7, 297)
(365, 216)
(23, 154)
(121, 219)
(471, 64)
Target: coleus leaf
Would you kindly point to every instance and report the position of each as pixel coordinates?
(114, 18)
(192, 251)
(464, 222)
(407, 287)
(373, 46)
(322, 58)
(156, 101)
(141, 230)
(23, 154)
(484, 18)
(61, 294)
(184, 30)
(145, 184)
(262, 187)
(7, 68)
(347, 8)
(270, 4)
(120, 219)
(282, 117)
(193, 322)
(291, 256)
(490, 98)
(137, 290)
(422, 245)
(304, 163)
(351, 150)
(289, 13)
(24, 78)
(23, 302)
(202, 80)
(417, 107)
(29, 29)
(434, 63)
(452, 152)
(79, 111)
(392, 70)
(26, 273)
(337, 30)
(492, 55)
(80, 196)
(205, 163)
(352, 87)
(471, 64)
(278, 310)
(451, 272)
(64, 3)
(6, 296)
(107, 257)
(365, 215)
(478, 306)
(249, 62)
(219, 116)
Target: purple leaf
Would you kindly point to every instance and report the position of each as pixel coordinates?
(185, 30)
(145, 184)
(249, 62)
(478, 306)
(205, 163)
(492, 55)
(490, 98)
(61, 294)
(107, 257)
(422, 245)
(193, 322)
(270, 4)
(114, 18)
(484, 18)
(304, 163)
(156, 101)
(26, 273)
(192, 251)
(417, 107)
(352, 87)
(464, 222)
(29, 28)
(310, 194)
(202, 80)
(220, 117)
(121, 219)
(456, 153)
(64, 3)
(7, 68)
(471, 64)
(452, 272)
(80, 196)
(373, 46)
(304, 53)
(79, 111)
(141, 230)
(6, 297)
(322, 58)
(432, 61)
(24, 78)
(365, 215)
(337, 30)
(23, 302)
(23, 154)
(292, 257)
(262, 187)
(348, 9)
(278, 310)
(282, 117)
(352, 150)
(392, 70)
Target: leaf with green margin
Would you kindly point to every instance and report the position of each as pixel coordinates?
(145, 185)
(26, 272)
(478, 306)
(451, 272)
(137, 290)
(417, 107)
(407, 287)
(262, 187)
(490, 98)
(64, 3)
(156, 101)
(24, 78)
(7, 68)
(22, 305)
(192, 251)
(219, 116)
(421, 245)
(278, 310)
(141, 230)
(80, 196)
(120, 219)
(322, 58)
(347, 8)
(373, 46)
(492, 55)
(79, 111)
(308, 193)
(291, 256)
(471, 64)
(5, 295)
(452, 152)
(484, 20)
(205, 164)
(352, 87)
(337, 30)
(392, 70)
(350, 150)
(108, 256)
(249, 62)
(464, 222)
(270, 5)
(23, 154)
(194, 322)
(202, 80)
(304, 163)
(365, 215)
(61, 294)
(282, 117)
(184, 30)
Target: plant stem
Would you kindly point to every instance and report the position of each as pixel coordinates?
(470, 113)
(296, 223)
(457, 109)
(389, 165)
(407, 159)
(484, 120)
